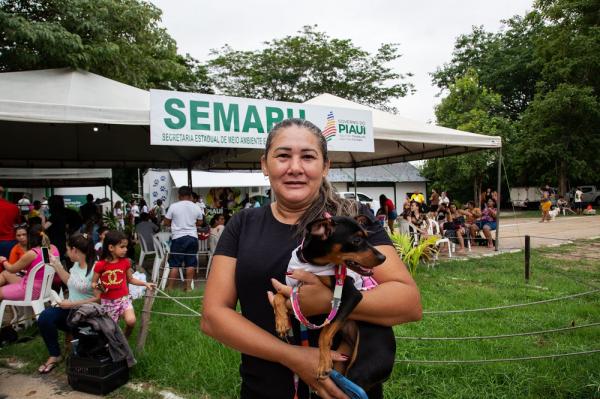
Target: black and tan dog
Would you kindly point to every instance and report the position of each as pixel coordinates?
(370, 348)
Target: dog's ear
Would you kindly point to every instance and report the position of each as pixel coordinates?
(321, 228)
(364, 221)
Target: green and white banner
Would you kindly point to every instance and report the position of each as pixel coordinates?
(203, 120)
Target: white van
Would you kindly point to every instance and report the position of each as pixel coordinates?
(363, 198)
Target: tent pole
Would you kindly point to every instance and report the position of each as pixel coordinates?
(189, 174)
(355, 188)
(499, 189)
(112, 209)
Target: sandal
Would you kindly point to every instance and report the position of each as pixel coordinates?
(49, 366)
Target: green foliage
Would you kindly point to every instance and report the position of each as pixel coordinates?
(541, 65)
(469, 107)
(414, 255)
(297, 68)
(110, 220)
(118, 39)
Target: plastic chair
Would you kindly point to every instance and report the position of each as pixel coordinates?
(36, 304)
(204, 250)
(433, 229)
(145, 250)
(160, 254)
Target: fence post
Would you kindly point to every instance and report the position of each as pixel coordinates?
(145, 324)
(527, 257)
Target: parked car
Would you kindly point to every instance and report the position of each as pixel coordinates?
(363, 198)
(591, 195)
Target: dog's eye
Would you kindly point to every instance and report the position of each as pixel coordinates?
(356, 240)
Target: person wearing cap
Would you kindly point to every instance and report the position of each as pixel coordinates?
(9, 217)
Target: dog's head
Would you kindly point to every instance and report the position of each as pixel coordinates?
(341, 239)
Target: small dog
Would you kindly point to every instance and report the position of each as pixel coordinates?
(371, 348)
(553, 213)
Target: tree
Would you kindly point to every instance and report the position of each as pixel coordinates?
(118, 39)
(297, 68)
(469, 107)
(561, 128)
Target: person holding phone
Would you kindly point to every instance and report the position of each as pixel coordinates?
(12, 286)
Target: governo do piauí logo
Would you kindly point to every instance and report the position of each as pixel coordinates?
(330, 129)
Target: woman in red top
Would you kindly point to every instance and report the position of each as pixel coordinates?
(112, 273)
(389, 210)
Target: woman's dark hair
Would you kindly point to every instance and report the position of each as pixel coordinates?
(113, 237)
(56, 204)
(118, 204)
(85, 244)
(327, 200)
(493, 200)
(143, 203)
(213, 221)
(382, 200)
(36, 237)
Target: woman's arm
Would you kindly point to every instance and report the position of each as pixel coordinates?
(60, 270)
(66, 304)
(395, 300)
(21, 263)
(222, 322)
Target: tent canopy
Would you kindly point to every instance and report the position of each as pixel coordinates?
(47, 119)
(214, 179)
(40, 178)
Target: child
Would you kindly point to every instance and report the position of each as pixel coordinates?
(113, 271)
(545, 206)
(101, 234)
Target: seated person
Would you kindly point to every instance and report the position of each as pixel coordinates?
(146, 229)
(20, 248)
(101, 234)
(418, 219)
(454, 228)
(13, 286)
(471, 214)
(486, 223)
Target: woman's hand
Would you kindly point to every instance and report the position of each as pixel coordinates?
(304, 362)
(55, 262)
(66, 304)
(150, 286)
(314, 296)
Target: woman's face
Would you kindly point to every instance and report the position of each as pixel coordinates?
(295, 166)
(21, 236)
(72, 253)
(490, 203)
(453, 208)
(414, 206)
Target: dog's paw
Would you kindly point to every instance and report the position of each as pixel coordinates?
(282, 326)
(323, 372)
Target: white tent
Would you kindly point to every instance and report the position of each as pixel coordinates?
(215, 179)
(79, 119)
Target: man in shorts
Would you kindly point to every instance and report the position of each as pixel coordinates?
(183, 216)
(578, 200)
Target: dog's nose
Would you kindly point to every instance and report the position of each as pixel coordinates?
(380, 257)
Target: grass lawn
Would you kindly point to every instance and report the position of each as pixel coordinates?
(179, 357)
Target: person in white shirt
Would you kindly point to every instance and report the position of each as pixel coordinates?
(579, 200)
(23, 204)
(183, 216)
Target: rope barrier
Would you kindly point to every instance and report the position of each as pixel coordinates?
(498, 336)
(171, 314)
(177, 301)
(176, 297)
(511, 306)
(482, 361)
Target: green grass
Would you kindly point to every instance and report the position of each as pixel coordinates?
(180, 358)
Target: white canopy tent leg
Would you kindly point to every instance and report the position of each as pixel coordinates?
(499, 189)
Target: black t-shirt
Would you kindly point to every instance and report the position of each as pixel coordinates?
(263, 247)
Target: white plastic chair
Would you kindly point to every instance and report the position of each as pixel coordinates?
(160, 254)
(145, 250)
(36, 304)
(433, 229)
(204, 250)
(212, 245)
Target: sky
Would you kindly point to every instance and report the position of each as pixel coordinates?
(425, 30)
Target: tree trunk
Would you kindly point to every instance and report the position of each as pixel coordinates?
(562, 177)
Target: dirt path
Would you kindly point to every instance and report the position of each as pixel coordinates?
(17, 386)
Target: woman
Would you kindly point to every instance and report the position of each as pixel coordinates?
(456, 224)
(389, 210)
(13, 286)
(119, 215)
(252, 258)
(487, 222)
(80, 250)
(434, 202)
(56, 225)
(418, 219)
(20, 249)
(444, 198)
